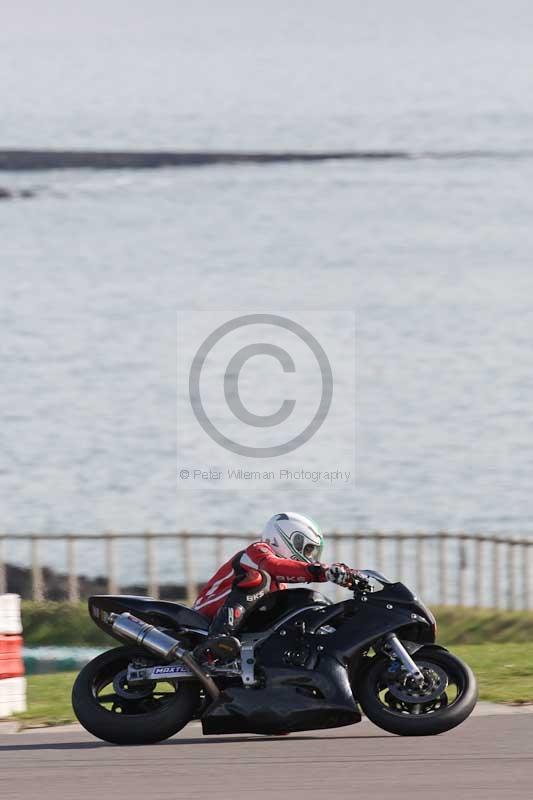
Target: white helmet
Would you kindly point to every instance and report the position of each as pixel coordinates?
(293, 536)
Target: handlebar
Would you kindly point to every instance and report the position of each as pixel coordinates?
(359, 581)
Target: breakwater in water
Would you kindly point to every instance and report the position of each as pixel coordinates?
(28, 160)
(103, 159)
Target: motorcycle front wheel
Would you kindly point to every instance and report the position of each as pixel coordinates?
(112, 710)
(393, 702)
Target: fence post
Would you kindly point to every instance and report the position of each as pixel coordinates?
(357, 552)
(399, 557)
(3, 577)
(511, 575)
(152, 584)
(36, 571)
(112, 587)
(478, 571)
(524, 564)
(190, 584)
(73, 585)
(495, 595)
(443, 569)
(420, 552)
(380, 561)
(529, 550)
(461, 571)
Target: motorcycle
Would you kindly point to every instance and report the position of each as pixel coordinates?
(305, 663)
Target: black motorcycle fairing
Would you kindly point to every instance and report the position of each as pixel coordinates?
(291, 700)
(271, 608)
(156, 612)
(397, 591)
(295, 641)
(399, 594)
(383, 613)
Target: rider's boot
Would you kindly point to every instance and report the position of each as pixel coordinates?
(221, 642)
(220, 647)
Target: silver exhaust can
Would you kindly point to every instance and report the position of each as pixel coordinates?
(146, 635)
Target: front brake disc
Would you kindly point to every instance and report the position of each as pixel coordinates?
(406, 689)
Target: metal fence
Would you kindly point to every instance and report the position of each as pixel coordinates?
(447, 568)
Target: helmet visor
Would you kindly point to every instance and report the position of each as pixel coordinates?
(312, 552)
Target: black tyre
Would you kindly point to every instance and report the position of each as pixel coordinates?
(395, 704)
(111, 710)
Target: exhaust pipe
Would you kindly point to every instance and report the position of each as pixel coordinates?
(146, 635)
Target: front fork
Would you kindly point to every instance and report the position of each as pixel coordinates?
(394, 649)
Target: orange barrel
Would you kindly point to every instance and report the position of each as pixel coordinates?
(11, 663)
(12, 680)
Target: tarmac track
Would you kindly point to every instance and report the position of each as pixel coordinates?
(489, 757)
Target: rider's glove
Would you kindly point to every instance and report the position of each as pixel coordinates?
(339, 574)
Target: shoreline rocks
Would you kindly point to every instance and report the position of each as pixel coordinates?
(8, 194)
(55, 585)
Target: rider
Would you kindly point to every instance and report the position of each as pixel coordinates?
(289, 552)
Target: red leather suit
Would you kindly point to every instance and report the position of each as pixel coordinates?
(252, 573)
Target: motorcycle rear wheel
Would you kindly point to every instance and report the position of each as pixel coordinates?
(111, 710)
(406, 718)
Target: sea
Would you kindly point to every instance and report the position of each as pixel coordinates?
(414, 271)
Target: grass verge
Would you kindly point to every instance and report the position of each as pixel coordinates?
(48, 699)
(52, 623)
(460, 625)
(504, 673)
